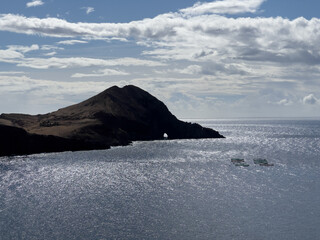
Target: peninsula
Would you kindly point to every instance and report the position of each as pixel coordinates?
(117, 116)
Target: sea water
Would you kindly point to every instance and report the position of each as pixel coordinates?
(179, 189)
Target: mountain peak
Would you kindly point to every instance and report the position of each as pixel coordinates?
(116, 116)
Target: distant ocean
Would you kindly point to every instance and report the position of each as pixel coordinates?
(179, 189)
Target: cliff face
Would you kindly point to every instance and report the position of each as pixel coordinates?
(16, 141)
(116, 116)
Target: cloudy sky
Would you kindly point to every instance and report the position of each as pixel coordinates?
(213, 59)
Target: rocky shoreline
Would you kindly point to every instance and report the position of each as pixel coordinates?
(114, 117)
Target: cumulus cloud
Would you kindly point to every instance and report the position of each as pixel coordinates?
(201, 40)
(8, 55)
(71, 42)
(55, 27)
(285, 102)
(15, 54)
(196, 37)
(218, 68)
(100, 73)
(192, 69)
(44, 87)
(311, 100)
(62, 63)
(50, 48)
(224, 7)
(88, 9)
(23, 49)
(50, 54)
(203, 53)
(35, 3)
(11, 73)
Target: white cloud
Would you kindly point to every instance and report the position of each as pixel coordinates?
(100, 73)
(206, 51)
(25, 83)
(50, 48)
(311, 100)
(224, 7)
(71, 42)
(285, 102)
(35, 3)
(56, 27)
(192, 69)
(11, 73)
(9, 55)
(14, 54)
(186, 70)
(88, 9)
(50, 54)
(23, 49)
(39, 95)
(62, 63)
(197, 38)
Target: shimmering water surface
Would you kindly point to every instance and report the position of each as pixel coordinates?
(181, 189)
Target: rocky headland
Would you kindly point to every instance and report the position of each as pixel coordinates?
(114, 117)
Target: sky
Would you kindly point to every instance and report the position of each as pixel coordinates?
(208, 59)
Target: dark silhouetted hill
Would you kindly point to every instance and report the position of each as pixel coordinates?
(114, 117)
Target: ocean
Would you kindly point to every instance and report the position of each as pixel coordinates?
(177, 189)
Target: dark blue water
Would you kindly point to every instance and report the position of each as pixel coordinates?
(183, 189)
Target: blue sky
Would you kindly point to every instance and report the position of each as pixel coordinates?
(226, 58)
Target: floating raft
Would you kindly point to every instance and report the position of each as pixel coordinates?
(237, 160)
(266, 164)
(241, 164)
(262, 162)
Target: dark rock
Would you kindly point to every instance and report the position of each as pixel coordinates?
(116, 116)
(16, 141)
